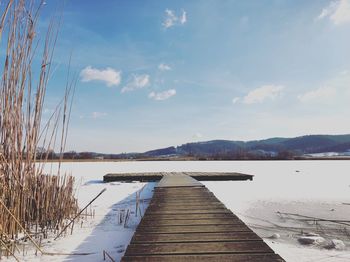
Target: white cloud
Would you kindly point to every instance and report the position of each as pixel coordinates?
(164, 67)
(337, 11)
(109, 76)
(327, 11)
(172, 19)
(262, 93)
(96, 115)
(335, 92)
(137, 82)
(183, 18)
(162, 95)
(235, 100)
(322, 94)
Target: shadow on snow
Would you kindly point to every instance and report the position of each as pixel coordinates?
(109, 235)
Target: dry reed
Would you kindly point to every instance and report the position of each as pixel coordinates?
(38, 202)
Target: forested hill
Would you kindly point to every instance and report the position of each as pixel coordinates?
(271, 147)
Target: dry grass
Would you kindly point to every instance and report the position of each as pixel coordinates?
(30, 201)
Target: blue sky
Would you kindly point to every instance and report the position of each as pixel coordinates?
(161, 73)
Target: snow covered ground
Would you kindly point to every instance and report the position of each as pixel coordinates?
(309, 188)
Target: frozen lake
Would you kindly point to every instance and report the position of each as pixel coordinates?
(329, 180)
(310, 188)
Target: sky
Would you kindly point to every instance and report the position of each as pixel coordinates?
(154, 74)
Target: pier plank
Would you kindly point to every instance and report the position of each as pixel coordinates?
(188, 216)
(184, 212)
(198, 248)
(193, 228)
(194, 237)
(180, 222)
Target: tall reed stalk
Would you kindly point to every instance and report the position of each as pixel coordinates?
(38, 201)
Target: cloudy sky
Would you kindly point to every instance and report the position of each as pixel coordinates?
(159, 73)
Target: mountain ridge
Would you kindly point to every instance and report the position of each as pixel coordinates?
(220, 149)
(271, 147)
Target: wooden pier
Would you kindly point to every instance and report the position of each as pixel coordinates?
(186, 222)
(156, 176)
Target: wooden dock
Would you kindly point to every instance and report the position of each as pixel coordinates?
(156, 176)
(186, 222)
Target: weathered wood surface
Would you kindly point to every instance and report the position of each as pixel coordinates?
(156, 176)
(198, 248)
(186, 222)
(193, 229)
(140, 237)
(187, 216)
(189, 222)
(206, 258)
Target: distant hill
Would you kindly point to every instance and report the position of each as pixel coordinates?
(272, 148)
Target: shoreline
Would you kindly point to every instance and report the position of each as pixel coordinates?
(189, 159)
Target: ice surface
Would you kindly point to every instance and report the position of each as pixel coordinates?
(311, 188)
